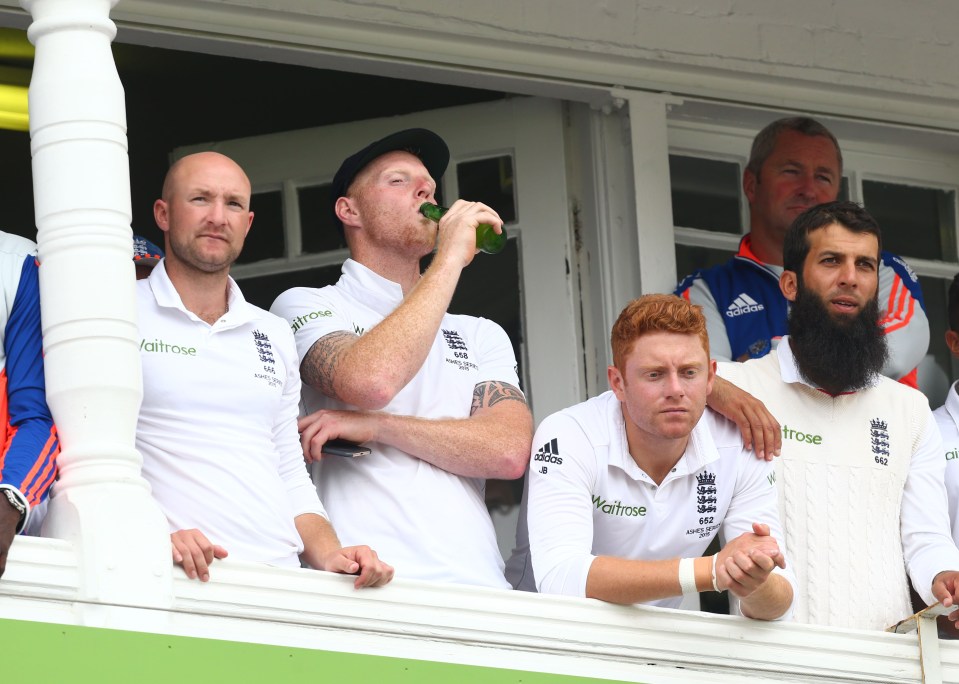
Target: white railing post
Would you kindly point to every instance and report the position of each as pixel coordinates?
(82, 198)
(924, 624)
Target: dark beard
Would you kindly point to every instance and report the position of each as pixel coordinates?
(836, 354)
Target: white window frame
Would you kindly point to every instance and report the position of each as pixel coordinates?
(894, 154)
(871, 152)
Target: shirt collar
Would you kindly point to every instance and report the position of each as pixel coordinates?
(746, 249)
(746, 252)
(700, 450)
(379, 293)
(952, 402)
(166, 295)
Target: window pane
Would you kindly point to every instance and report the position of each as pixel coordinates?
(316, 220)
(705, 194)
(489, 181)
(915, 222)
(689, 259)
(266, 239)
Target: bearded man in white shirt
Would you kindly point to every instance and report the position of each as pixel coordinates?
(861, 473)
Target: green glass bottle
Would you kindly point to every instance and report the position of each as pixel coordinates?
(487, 239)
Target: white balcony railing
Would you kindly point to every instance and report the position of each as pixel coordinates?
(468, 626)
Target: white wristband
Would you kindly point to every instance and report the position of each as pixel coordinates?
(687, 576)
(715, 584)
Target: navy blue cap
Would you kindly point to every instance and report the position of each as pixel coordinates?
(425, 144)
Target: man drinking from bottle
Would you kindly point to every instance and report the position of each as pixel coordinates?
(434, 396)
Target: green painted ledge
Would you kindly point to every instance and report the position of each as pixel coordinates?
(66, 653)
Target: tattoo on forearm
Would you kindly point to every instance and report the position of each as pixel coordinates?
(492, 392)
(319, 367)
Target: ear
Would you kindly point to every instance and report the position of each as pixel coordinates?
(161, 214)
(749, 185)
(249, 225)
(346, 211)
(616, 382)
(952, 341)
(711, 376)
(789, 284)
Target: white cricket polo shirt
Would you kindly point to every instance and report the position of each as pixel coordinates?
(588, 497)
(428, 523)
(217, 427)
(861, 492)
(947, 418)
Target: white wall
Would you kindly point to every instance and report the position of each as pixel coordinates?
(908, 46)
(886, 60)
(891, 60)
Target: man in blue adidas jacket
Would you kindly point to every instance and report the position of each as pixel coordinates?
(29, 443)
(794, 164)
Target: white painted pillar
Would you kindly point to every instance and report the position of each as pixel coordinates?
(625, 212)
(654, 207)
(94, 387)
